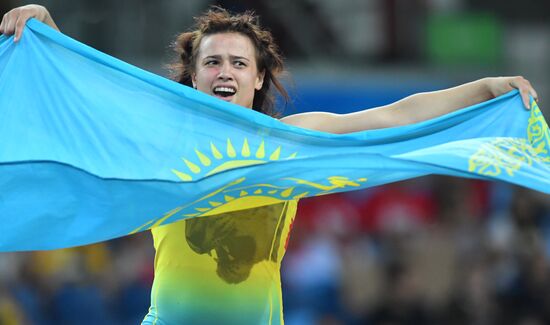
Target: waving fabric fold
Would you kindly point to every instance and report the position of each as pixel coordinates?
(92, 148)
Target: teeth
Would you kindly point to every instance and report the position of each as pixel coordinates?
(225, 89)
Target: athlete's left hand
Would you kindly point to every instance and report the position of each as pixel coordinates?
(501, 85)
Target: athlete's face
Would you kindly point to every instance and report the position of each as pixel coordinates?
(226, 68)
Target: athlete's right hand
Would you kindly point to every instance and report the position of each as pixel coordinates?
(14, 21)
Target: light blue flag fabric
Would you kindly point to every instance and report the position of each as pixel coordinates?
(93, 148)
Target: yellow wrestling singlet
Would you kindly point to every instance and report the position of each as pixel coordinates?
(221, 269)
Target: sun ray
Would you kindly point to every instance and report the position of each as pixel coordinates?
(292, 155)
(230, 150)
(215, 152)
(220, 190)
(258, 191)
(301, 195)
(203, 158)
(183, 176)
(287, 192)
(245, 152)
(264, 185)
(243, 193)
(166, 216)
(260, 153)
(228, 198)
(335, 182)
(192, 167)
(214, 203)
(142, 227)
(275, 155)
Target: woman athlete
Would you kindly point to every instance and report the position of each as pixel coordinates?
(225, 269)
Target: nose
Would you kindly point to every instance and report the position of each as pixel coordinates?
(225, 72)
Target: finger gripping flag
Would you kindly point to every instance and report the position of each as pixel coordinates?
(93, 148)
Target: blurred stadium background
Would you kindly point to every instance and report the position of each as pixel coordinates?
(433, 250)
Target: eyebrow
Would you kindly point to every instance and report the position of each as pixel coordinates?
(231, 56)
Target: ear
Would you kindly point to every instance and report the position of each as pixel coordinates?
(194, 80)
(260, 80)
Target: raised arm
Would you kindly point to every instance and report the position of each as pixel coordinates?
(415, 108)
(14, 21)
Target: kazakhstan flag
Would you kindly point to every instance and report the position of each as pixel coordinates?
(93, 148)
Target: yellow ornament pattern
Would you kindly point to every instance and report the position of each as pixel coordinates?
(538, 134)
(509, 154)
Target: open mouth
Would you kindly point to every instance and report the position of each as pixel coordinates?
(224, 92)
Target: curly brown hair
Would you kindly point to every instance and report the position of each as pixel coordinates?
(218, 20)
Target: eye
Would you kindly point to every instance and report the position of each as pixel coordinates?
(239, 64)
(210, 62)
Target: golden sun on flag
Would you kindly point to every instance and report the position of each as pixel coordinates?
(240, 194)
(215, 161)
